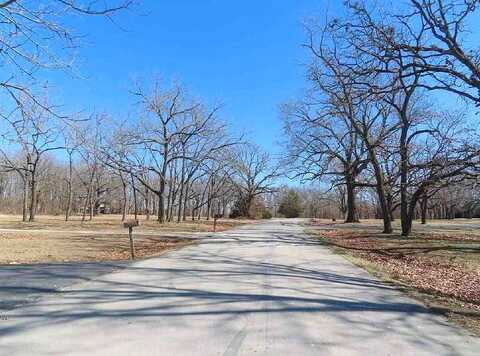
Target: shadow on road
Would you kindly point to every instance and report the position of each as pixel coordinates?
(197, 282)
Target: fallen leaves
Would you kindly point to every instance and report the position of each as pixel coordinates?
(426, 263)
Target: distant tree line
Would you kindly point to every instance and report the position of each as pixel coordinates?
(457, 201)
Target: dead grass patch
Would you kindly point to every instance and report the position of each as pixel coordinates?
(51, 239)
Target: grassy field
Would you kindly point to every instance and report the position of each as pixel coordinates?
(439, 264)
(51, 239)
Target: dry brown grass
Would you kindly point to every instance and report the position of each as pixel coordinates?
(439, 263)
(51, 239)
(110, 223)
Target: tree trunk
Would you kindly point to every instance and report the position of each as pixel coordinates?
(224, 207)
(92, 203)
(248, 206)
(185, 200)
(351, 208)
(209, 200)
(85, 205)
(209, 206)
(172, 202)
(453, 211)
(407, 229)
(134, 191)
(124, 197)
(147, 203)
(180, 202)
(160, 209)
(69, 200)
(68, 208)
(25, 198)
(390, 206)
(423, 207)
(404, 216)
(182, 188)
(169, 200)
(154, 207)
(410, 213)
(380, 186)
(89, 196)
(161, 203)
(469, 212)
(199, 214)
(33, 196)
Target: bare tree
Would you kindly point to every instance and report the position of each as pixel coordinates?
(93, 136)
(369, 65)
(253, 175)
(34, 135)
(174, 142)
(357, 113)
(323, 144)
(436, 37)
(35, 39)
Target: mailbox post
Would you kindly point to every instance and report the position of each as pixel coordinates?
(130, 225)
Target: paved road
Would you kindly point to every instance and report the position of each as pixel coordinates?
(263, 289)
(23, 284)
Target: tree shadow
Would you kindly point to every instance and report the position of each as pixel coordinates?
(226, 278)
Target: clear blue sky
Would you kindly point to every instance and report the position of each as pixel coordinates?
(246, 54)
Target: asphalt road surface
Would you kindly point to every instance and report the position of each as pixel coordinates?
(262, 289)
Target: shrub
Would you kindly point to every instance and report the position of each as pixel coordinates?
(266, 214)
(290, 205)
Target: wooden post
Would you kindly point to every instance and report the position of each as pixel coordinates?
(130, 225)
